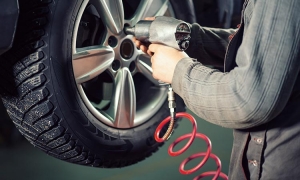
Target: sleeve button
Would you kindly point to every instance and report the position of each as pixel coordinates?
(258, 140)
(253, 162)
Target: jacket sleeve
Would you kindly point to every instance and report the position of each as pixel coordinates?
(258, 89)
(208, 45)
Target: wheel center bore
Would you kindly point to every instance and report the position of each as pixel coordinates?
(127, 49)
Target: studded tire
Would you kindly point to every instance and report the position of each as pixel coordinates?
(41, 96)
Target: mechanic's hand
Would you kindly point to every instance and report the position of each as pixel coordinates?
(164, 61)
(139, 44)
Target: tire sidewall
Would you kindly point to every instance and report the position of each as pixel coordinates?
(70, 107)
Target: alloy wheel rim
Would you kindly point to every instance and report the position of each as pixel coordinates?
(117, 56)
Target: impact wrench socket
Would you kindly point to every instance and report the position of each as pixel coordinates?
(163, 30)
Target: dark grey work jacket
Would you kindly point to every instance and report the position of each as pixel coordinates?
(254, 87)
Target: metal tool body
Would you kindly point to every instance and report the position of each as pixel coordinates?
(163, 30)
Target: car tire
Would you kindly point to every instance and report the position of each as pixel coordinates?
(49, 108)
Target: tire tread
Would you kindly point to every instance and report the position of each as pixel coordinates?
(26, 94)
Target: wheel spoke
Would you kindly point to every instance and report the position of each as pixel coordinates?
(112, 13)
(149, 8)
(123, 105)
(91, 61)
(146, 70)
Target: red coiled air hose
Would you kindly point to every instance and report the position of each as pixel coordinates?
(192, 136)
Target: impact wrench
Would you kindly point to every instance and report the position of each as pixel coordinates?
(176, 34)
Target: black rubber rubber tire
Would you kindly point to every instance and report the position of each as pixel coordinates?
(40, 94)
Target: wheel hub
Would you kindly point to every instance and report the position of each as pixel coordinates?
(127, 49)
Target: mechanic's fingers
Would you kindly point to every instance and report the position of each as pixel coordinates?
(153, 47)
(150, 53)
(138, 44)
(144, 48)
(151, 59)
(150, 18)
(134, 39)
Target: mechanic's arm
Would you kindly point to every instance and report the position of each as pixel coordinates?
(259, 87)
(209, 45)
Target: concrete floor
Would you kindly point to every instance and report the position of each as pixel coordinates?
(23, 161)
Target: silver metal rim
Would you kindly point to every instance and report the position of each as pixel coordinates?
(91, 61)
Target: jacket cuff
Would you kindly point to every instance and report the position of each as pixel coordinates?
(179, 74)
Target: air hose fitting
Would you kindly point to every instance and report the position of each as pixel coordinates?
(172, 107)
